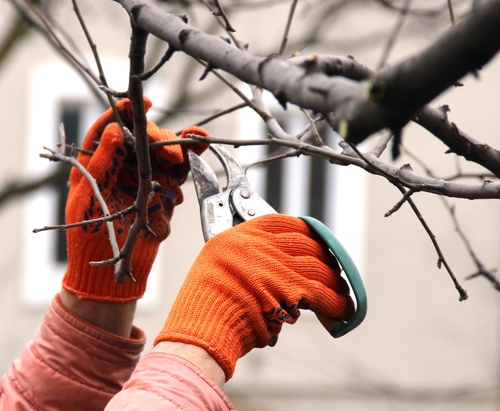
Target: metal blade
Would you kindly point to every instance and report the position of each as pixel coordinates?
(205, 180)
(235, 174)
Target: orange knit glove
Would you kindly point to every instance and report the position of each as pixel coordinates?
(249, 280)
(113, 165)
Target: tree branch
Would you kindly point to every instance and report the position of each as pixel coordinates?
(403, 175)
(34, 17)
(145, 188)
(356, 109)
(434, 120)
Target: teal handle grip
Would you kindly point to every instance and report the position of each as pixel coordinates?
(351, 273)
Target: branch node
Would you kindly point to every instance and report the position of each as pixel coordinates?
(129, 137)
(206, 72)
(183, 36)
(399, 204)
(135, 11)
(396, 144)
(282, 99)
(150, 231)
(183, 17)
(113, 93)
(321, 91)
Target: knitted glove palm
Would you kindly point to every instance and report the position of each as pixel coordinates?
(248, 281)
(114, 167)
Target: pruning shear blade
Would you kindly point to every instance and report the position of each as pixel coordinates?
(222, 209)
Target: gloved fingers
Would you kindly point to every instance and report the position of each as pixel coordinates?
(163, 155)
(309, 294)
(124, 108)
(307, 283)
(108, 158)
(306, 274)
(323, 272)
(327, 302)
(283, 234)
(173, 154)
(198, 148)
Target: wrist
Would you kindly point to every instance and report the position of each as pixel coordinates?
(114, 318)
(197, 356)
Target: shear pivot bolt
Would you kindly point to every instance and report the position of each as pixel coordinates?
(251, 212)
(245, 193)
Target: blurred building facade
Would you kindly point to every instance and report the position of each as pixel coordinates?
(419, 348)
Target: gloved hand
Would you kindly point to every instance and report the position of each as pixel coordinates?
(249, 280)
(113, 165)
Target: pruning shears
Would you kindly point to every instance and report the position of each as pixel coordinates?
(239, 202)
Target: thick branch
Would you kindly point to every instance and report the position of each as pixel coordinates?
(433, 119)
(407, 86)
(356, 109)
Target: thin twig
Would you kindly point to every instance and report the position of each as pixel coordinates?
(287, 28)
(221, 113)
(114, 93)
(441, 259)
(111, 217)
(232, 87)
(224, 17)
(255, 104)
(381, 145)
(62, 134)
(220, 20)
(481, 270)
(400, 203)
(54, 156)
(452, 14)
(489, 275)
(403, 175)
(34, 16)
(166, 57)
(294, 153)
(97, 59)
(271, 122)
(61, 45)
(394, 35)
(317, 138)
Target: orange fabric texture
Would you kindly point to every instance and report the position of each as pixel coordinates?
(248, 281)
(114, 167)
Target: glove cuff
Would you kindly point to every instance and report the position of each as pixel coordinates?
(98, 282)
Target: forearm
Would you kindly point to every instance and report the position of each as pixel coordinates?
(114, 318)
(164, 381)
(70, 365)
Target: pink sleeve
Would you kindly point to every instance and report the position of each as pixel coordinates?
(166, 382)
(69, 365)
